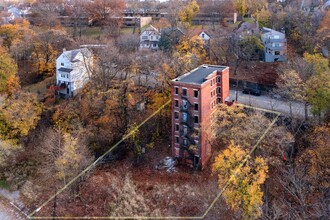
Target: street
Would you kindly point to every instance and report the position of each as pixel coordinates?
(267, 102)
(8, 212)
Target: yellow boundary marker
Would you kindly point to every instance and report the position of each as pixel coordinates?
(247, 157)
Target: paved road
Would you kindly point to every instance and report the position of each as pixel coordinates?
(8, 212)
(266, 102)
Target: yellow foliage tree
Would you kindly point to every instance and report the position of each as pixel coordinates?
(19, 114)
(14, 32)
(73, 158)
(8, 69)
(189, 12)
(245, 180)
(191, 52)
(45, 56)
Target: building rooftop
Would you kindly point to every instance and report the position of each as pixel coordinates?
(271, 32)
(197, 76)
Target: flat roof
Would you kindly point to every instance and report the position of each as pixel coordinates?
(197, 76)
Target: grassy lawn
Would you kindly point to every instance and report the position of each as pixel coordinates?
(128, 30)
(250, 20)
(92, 32)
(40, 88)
(4, 184)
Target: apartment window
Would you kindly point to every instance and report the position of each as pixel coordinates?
(211, 94)
(218, 79)
(218, 100)
(195, 93)
(177, 127)
(176, 115)
(184, 92)
(176, 90)
(184, 104)
(211, 82)
(218, 90)
(196, 106)
(176, 103)
(196, 119)
(176, 139)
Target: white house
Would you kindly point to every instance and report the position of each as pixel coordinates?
(206, 37)
(73, 70)
(149, 38)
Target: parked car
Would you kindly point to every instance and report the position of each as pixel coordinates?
(252, 91)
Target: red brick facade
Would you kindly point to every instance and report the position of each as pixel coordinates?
(194, 98)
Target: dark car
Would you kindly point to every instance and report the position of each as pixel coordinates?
(252, 91)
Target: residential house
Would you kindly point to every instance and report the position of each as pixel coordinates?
(73, 70)
(195, 96)
(149, 38)
(275, 45)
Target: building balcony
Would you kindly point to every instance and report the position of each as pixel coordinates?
(60, 86)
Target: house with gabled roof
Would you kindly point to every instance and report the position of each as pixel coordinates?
(149, 38)
(73, 70)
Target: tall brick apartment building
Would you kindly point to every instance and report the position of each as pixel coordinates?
(194, 98)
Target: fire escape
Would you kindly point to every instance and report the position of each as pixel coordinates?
(189, 134)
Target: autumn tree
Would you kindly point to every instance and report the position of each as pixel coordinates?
(78, 14)
(318, 92)
(15, 33)
(8, 69)
(73, 158)
(18, 115)
(244, 178)
(103, 13)
(234, 124)
(301, 29)
(323, 31)
(188, 12)
(46, 46)
(241, 7)
(49, 9)
(190, 53)
(291, 87)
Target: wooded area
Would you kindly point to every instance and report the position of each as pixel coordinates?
(46, 141)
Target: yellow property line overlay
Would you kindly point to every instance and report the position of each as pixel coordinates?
(247, 157)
